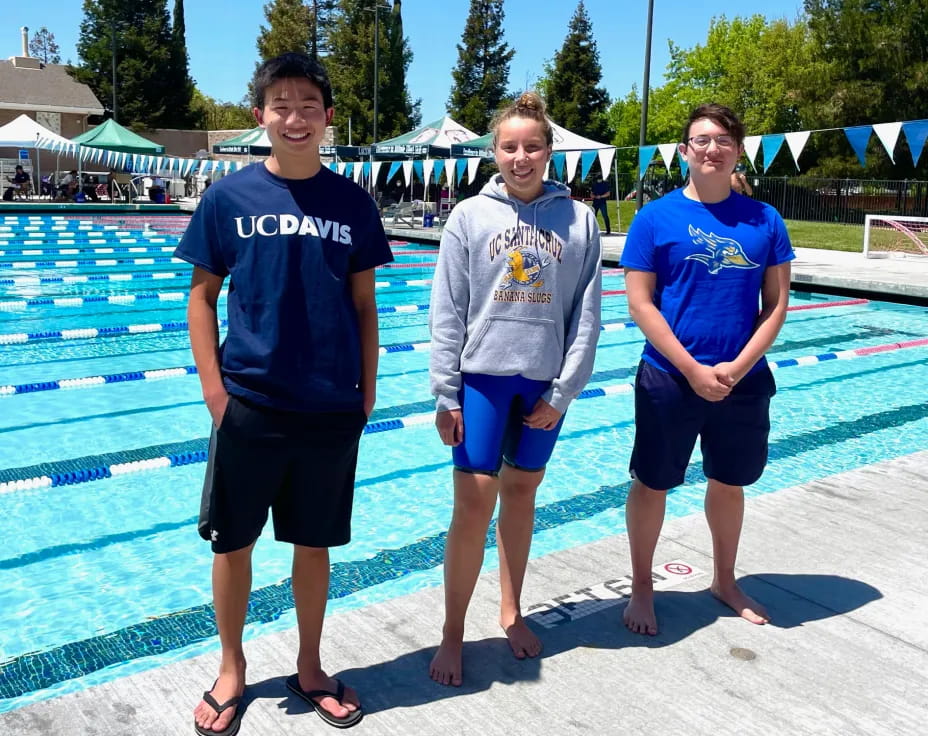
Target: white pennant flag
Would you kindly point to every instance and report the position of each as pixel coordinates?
(449, 171)
(605, 161)
(751, 147)
(407, 172)
(472, 165)
(573, 158)
(357, 171)
(341, 168)
(427, 166)
(375, 171)
(667, 151)
(796, 142)
(888, 133)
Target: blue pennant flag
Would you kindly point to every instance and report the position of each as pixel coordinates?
(417, 169)
(915, 134)
(366, 168)
(645, 154)
(394, 167)
(349, 170)
(439, 167)
(586, 161)
(684, 166)
(459, 169)
(859, 137)
(771, 145)
(560, 163)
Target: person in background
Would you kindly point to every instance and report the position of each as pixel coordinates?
(739, 181)
(17, 183)
(600, 194)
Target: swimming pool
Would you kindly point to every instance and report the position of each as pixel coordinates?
(102, 572)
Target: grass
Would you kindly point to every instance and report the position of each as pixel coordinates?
(821, 235)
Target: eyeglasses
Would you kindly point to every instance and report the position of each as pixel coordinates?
(701, 142)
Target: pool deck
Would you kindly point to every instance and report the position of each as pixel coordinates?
(839, 562)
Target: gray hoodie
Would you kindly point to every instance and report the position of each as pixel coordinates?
(517, 290)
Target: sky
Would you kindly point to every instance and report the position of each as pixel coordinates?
(222, 49)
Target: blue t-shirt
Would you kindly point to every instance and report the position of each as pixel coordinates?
(710, 261)
(289, 247)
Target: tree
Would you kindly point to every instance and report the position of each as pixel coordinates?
(290, 24)
(323, 15)
(351, 68)
(181, 89)
(216, 115)
(480, 76)
(144, 49)
(43, 46)
(575, 101)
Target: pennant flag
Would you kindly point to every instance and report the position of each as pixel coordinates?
(573, 158)
(645, 154)
(796, 142)
(407, 172)
(751, 146)
(439, 168)
(559, 159)
(666, 151)
(888, 133)
(375, 171)
(349, 169)
(915, 134)
(473, 164)
(859, 137)
(394, 167)
(548, 170)
(771, 144)
(417, 169)
(684, 166)
(358, 172)
(427, 170)
(586, 163)
(450, 163)
(459, 167)
(341, 167)
(606, 155)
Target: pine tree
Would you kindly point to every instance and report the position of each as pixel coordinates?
(289, 29)
(322, 14)
(482, 71)
(575, 101)
(43, 46)
(181, 90)
(143, 52)
(351, 67)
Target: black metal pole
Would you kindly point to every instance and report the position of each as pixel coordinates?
(639, 200)
(113, 47)
(376, 63)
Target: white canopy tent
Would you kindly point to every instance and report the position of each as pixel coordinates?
(24, 132)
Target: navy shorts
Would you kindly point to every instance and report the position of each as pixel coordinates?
(299, 465)
(493, 408)
(669, 416)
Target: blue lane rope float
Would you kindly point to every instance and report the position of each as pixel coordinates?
(19, 305)
(171, 460)
(88, 278)
(88, 251)
(97, 262)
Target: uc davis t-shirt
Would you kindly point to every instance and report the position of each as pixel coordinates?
(289, 248)
(709, 260)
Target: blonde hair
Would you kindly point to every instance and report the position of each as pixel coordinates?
(529, 106)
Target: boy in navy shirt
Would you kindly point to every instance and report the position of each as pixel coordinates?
(697, 262)
(290, 389)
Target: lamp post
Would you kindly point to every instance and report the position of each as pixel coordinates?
(378, 6)
(639, 199)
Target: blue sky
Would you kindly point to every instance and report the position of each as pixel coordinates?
(221, 38)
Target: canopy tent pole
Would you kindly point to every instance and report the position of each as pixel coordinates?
(618, 213)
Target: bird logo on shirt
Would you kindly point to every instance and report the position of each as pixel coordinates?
(720, 252)
(525, 268)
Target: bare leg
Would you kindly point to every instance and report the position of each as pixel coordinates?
(514, 540)
(310, 591)
(474, 501)
(725, 513)
(644, 517)
(231, 586)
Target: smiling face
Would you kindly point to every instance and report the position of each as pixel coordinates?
(713, 161)
(522, 155)
(295, 117)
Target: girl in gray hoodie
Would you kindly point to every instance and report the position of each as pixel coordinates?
(514, 317)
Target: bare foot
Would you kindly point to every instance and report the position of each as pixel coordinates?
(522, 639)
(229, 684)
(639, 615)
(742, 604)
(319, 680)
(446, 668)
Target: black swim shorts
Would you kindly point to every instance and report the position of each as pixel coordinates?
(669, 416)
(300, 466)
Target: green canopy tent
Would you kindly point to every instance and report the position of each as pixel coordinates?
(252, 142)
(111, 136)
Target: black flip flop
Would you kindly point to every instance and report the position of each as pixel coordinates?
(234, 724)
(353, 717)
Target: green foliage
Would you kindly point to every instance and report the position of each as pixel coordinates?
(289, 29)
(43, 46)
(322, 14)
(479, 78)
(181, 89)
(146, 90)
(351, 69)
(574, 99)
(216, 115)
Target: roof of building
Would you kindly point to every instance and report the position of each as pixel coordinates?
(48, 87)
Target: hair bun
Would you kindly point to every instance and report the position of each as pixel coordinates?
(530, 101)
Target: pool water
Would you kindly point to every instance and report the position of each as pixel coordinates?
(103, 577)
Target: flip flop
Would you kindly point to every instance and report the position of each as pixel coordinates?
(353, 717)
(234, 724)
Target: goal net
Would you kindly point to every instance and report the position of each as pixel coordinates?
(887, 235)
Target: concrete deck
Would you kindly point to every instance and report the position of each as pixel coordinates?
(839, 562)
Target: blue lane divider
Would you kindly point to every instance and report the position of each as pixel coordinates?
(87, 251)
(83, 279)
(82, 301)
(98, 262)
